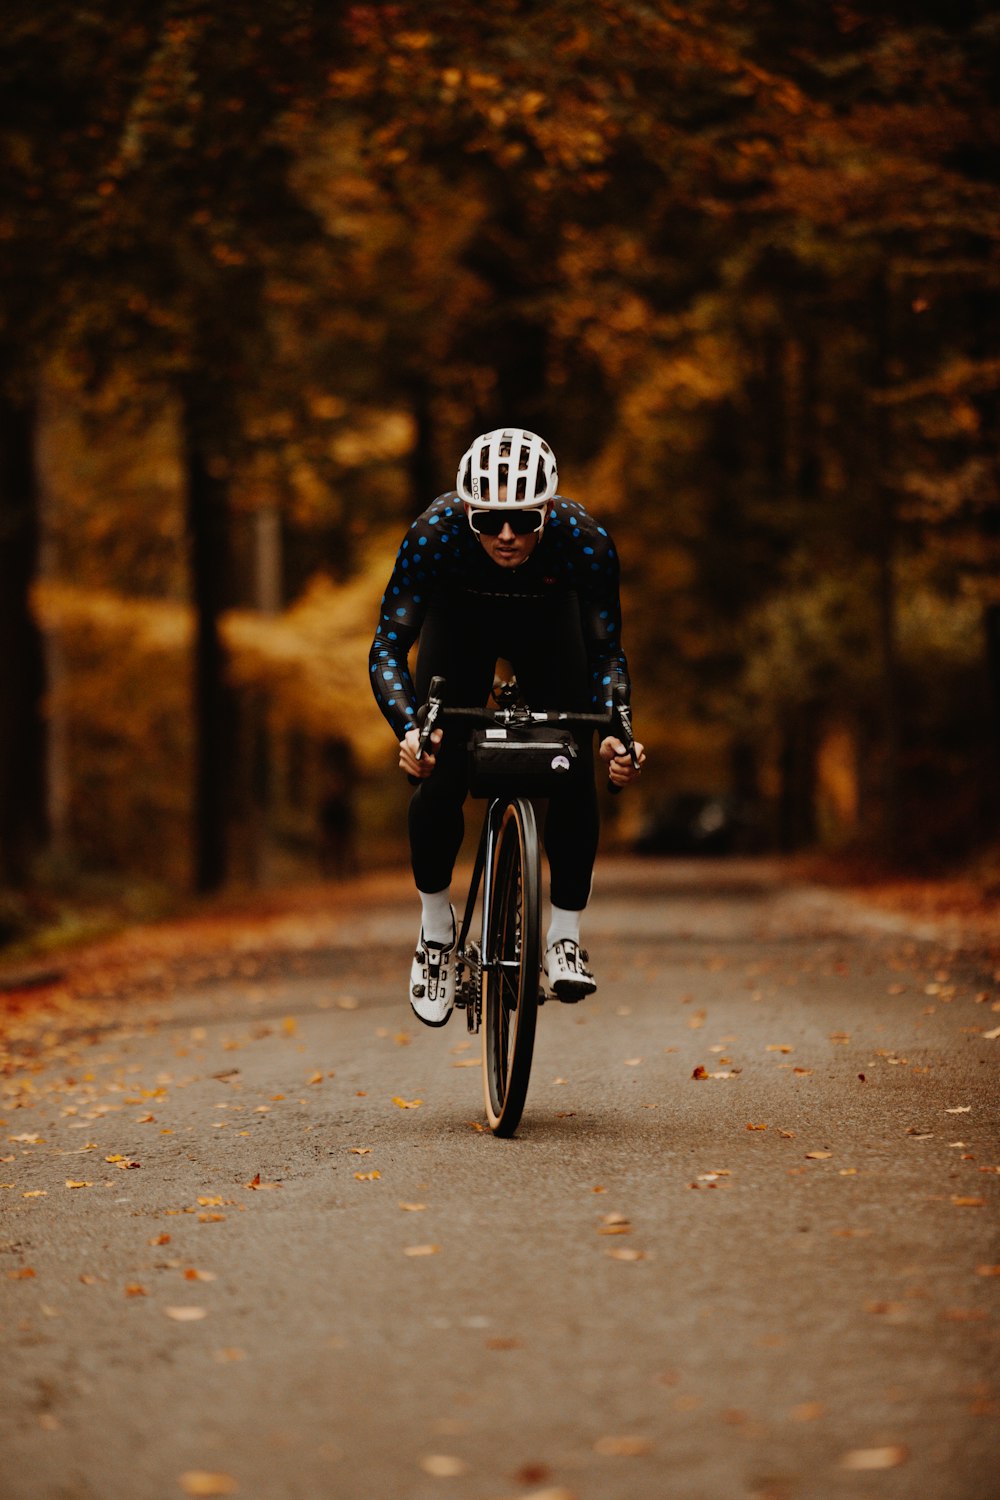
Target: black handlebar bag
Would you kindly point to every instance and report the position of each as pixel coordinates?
(519, 760)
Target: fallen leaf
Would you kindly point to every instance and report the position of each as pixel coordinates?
(24, 1274)
(626, 1254)
(756, 1127)
(71, 1184)
(443, 1465)
(229, 1356)
(200, 1482)
(807, 1411)
(367, 1176)
(697, 1020)
(699, 1072)
(875, 1458)
(36, 1193)
(961, 1109)
(988, 1270)
(289, 1026)
(413, 1208)
(134, 1289)
(556, 1492)
(361, 1150)
(191, 1274)
(186, 1314)
(818, 1155)
(421, 1249)
(991, 1036)
(210, 1202)
(633, 1062)
(623, 1447)
(466, 1062)
(533, 1474)
(315, 1078)
(261, 1187)
(960, 1202)
(406, 1103)
(778, 1047)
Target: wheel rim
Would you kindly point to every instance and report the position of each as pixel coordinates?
(512, 979)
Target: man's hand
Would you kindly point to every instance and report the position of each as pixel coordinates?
(408, 754)
(621, 771)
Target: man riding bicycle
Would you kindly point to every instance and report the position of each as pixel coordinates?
(501, 567)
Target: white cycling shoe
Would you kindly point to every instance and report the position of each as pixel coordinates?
(432, 979)
(565, 967)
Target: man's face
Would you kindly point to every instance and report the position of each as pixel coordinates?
(508, 550)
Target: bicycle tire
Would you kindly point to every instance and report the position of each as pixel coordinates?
(511, 975)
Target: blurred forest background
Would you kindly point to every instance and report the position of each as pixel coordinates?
(267, 269)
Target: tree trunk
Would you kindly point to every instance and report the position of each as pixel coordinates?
(884, 539)
(22, 670)
(214, 703)
(797, 766)
(991, 623)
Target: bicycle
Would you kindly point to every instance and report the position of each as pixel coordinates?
(517, 754)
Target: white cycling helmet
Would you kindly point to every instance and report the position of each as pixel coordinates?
(494, 457)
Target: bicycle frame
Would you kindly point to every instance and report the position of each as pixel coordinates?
(474, 957)
(469, 993)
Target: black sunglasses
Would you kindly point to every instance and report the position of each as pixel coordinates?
(520, 521)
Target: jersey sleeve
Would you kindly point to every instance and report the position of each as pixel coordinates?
(401, 615)
(591, 559)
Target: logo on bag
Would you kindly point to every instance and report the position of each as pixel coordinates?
(560, 763)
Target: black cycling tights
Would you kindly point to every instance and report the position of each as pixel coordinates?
(543, 641)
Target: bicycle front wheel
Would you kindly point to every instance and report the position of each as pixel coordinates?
(512, 968)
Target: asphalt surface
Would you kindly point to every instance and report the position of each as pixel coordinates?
(324, 1278)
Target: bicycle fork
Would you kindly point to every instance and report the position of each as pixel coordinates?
(474, 957)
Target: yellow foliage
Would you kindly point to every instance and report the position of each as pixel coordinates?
(312, 660)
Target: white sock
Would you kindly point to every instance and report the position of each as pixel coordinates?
(564, 926)
(435, 920)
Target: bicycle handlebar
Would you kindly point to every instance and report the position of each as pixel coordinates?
(618, 718)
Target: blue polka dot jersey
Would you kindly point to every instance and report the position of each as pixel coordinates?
(441, 559)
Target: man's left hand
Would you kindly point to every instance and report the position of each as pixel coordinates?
(621, 771)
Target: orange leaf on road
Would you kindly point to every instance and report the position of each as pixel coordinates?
(443, 1465)
(630, 1446)
(201, 1483)
(875, 1458)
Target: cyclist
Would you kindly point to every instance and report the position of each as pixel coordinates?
(501, 567)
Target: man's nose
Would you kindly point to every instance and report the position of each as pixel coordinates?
(507, 534)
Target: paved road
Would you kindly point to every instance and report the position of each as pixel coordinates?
(323, 1279)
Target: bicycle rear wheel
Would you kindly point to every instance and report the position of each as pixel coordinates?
(511, 973)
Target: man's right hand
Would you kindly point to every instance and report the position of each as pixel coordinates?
(408, 762)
